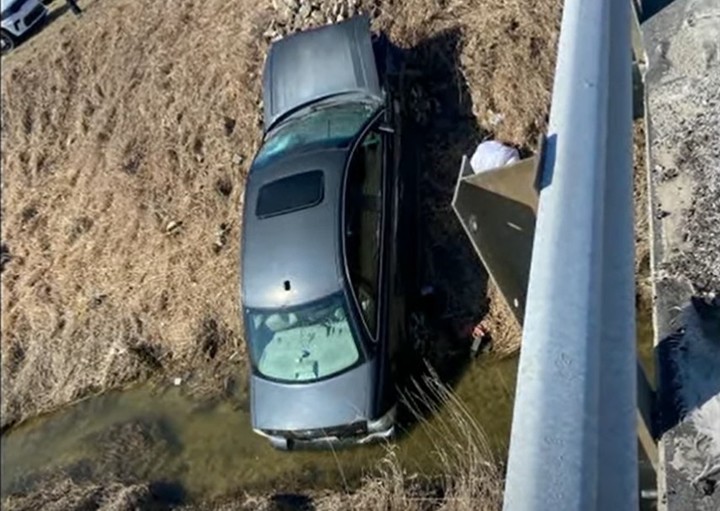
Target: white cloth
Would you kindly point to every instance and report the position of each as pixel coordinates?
(492, 154)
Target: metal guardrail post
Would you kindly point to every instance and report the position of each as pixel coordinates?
(497, 210)
(573, 444)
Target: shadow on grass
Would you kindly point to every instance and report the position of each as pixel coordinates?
(291, 502)
(440, 128)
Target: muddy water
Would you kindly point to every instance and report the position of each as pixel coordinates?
(161, 434)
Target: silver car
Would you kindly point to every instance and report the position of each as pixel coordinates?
(17, 18)
(326, 260)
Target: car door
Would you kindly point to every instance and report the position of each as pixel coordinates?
(401, 239)
(367, 209)
(364, 241)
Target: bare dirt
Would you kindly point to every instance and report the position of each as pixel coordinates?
(127, 135)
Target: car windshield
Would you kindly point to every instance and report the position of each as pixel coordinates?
(328, 125)
(304, 343)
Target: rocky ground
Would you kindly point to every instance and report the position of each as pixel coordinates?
(687, 170)
(683, 103)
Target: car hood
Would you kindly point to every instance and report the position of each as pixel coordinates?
(305, 67)
(343, 399)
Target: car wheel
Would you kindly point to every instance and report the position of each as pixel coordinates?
(7, 42)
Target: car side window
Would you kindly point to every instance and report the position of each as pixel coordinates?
(363, 219)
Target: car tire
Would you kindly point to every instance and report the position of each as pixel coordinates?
(7, 42)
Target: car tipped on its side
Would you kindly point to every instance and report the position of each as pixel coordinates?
(323, 273)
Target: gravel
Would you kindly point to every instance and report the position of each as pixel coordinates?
(684, 105)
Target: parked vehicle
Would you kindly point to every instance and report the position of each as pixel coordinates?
(17, 18)
(326, 264)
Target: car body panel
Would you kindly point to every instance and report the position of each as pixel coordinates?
(340, 400)
(307, 66)
(379, 342)
(23, 15)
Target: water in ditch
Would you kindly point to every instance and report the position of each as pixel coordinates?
(160, 433)
(153, 433)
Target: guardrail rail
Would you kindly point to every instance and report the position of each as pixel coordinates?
(573, 443)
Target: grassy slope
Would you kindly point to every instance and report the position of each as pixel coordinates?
(146, 113)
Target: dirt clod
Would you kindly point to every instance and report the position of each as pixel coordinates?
(224, 186)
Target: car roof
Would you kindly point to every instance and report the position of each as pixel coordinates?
(299, 250)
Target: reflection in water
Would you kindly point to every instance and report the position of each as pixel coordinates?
(155, 434)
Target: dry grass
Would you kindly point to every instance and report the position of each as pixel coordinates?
(507, 55)
(63, 494)
(144, 115)
(504, 330)
(472, 478)
(640, 193)
(112, 130)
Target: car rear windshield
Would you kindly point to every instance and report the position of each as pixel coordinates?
(290, 194)
(321, 126)
(302, 344)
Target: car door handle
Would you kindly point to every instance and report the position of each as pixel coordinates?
(384, 128)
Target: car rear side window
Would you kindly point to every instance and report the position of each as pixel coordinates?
(330, 125)
(290, 194)
(363, 203)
